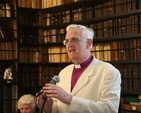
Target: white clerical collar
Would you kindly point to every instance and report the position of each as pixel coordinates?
(77, 66)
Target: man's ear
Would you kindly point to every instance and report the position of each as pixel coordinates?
(89, 43)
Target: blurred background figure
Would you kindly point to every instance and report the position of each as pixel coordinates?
(27, 104)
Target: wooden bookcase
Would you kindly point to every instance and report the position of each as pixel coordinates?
(117, 26)
(8, 56)
(29, 29)
(31, 35)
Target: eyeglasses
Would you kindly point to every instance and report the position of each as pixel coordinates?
(74, 40)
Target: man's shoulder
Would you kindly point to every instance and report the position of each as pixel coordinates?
(105, 65)
(68, 67)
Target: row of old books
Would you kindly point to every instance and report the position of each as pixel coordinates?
(116, 27)
(102, 51)
(29, 3)
(108, 28)
(29, 36)
(29, 76)
(8, 29)
(9, 94)
(29, 79)
(48, 72)
(131, 79)
(132, 103)
(29, 18)
(8, 51)
(10, 105)
(114, 51)
(64, 17)
(116, 7)
(121, 6)
(131, 84)
(122, 50)
(29, 55)
(1, 33)
(57, 54)
(53, 35)
(42, 3)
(118, 50)
(53, 3)
(5, 10)
(88, 13)
(56, 18)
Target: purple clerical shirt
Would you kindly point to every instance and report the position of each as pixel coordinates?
(78, 70)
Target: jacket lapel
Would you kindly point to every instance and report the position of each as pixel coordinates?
(85, 77)
(67, 79)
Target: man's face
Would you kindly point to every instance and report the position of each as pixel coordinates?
(25, 108)
(76, 45)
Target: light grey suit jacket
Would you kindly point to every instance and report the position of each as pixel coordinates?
(96, 91)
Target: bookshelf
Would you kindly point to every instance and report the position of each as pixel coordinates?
(31, 35)
(29, 50)
(8, 56)
(117, 38)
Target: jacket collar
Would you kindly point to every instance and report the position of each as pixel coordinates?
(85, 77)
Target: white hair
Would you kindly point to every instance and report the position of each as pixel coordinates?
(27, 99)
(87, 33)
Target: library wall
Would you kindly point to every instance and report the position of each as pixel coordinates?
(8, 57)
(31, 43)
(117, 39)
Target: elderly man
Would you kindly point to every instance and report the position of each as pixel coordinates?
(86, 86)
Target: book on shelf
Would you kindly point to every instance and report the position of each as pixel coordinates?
(53, 33)
(134, 100)
(8, 92)
(22, 3)
(8, 10)
(121, 6)
(107, 52)
(135, 103)
(8, 52)
(122, 100)
(131, 99)
(2, 10)
(5, 10)
(29, 76)
(139, 97)
(138, 49)
(1, 33)
(33, 3)
(130, 77)
(31, 55)
(7, 106)
(29, 3)
(64, 55)
(117, 50)
(51, 3)
(102, 51)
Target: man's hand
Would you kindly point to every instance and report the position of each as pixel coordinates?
(48, 103)
(55, 91)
